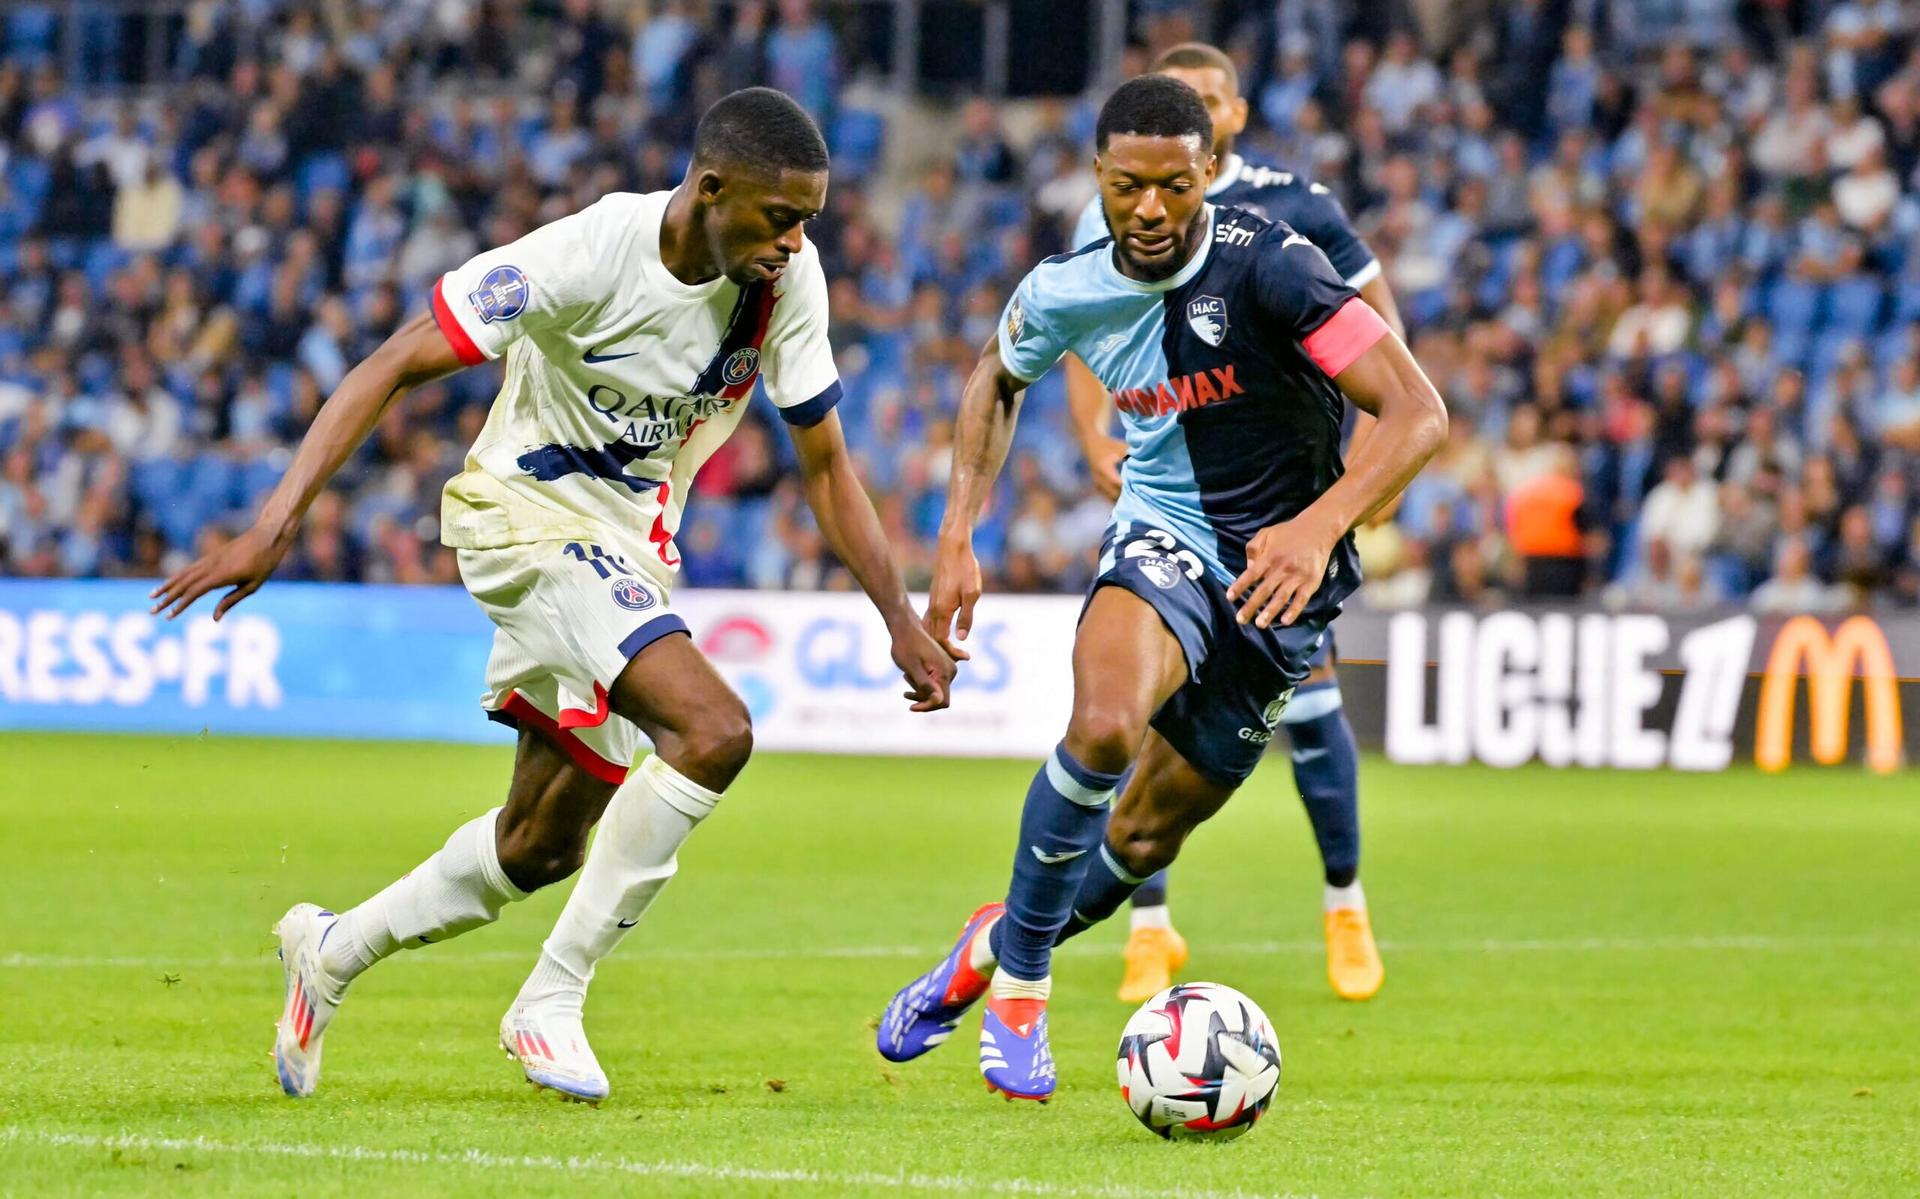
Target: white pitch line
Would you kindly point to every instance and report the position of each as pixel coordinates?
(1752, 943)
(594, 1163)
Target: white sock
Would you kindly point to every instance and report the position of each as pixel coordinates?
(456, 890)
(980, 953)
(1006, 986)
(631, 859)
(1349, 896)
(1158, 915)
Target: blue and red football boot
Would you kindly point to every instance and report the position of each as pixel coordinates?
(1015, 1058)
(927, 1010)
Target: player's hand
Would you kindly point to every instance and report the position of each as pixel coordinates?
(243, 564)
(1104, 456)
(928, 668)
(955, 590)
(1285, 565)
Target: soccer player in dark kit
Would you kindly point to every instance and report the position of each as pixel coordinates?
(1325, 760)
(1228, 343)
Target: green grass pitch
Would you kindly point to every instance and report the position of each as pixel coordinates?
(1596, 984)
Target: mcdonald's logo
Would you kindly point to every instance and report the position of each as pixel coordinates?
(1858, 648)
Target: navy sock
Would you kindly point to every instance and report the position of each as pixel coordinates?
(1152, 893)
(1106, 887)
(1326, 768)
(1065, 817)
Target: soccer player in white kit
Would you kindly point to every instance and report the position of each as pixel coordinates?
(633, 334)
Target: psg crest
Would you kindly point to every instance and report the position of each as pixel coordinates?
(740, 366)
(1207, 315)
(631, 595)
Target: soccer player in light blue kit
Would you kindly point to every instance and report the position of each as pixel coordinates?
(1228, 343)
(1326, 761)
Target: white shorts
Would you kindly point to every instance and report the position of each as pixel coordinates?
(570, 616)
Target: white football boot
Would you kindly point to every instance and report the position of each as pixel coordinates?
(549, 1042)
(313, 996)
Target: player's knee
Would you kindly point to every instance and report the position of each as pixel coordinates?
(1105, 737)
(534, 855)
(715, 750)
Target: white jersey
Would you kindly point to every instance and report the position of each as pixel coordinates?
(621, 381)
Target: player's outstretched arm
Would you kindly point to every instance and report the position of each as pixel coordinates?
(852, 529)
(417, 352)
(1286, 562)
(989, 407)
(1092, 411)
(1380, 296)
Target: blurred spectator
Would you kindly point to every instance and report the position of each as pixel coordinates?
(1660, 259)
(1544, 528)
(1793, 588)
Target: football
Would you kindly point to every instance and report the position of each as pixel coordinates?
(1199, 1060)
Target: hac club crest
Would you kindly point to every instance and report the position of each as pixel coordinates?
(1162, 571)
(1207, 316)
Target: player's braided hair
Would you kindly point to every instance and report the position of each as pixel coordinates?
(761, 130)
(1154, 106)
(1198, 56)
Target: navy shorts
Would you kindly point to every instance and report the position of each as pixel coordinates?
(1239, 677)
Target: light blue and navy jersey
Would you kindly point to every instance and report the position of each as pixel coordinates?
(1285, 196)
(1222, 374)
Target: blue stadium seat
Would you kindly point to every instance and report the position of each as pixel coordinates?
(210, 482)
(101, 260)
(1853, 305)
(1893, 345)
(321, 172)
(32, 33)
(1906, 300)
(66, 253)
(255, 480)
(1793, 305)
(1791, 348)
(858, 138)
(1828, 348)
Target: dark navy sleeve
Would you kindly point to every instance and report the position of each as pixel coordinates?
(1320, 216)
(1301, 293)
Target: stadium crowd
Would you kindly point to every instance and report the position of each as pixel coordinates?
(1661, 256)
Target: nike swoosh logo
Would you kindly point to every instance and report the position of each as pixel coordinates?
(1054, 859)
(1308, 755)
(1294, 239)
(592, 359)
(629, 923)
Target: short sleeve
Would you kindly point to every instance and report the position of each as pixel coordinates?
(1092, 225)
(801, 378)
(1325, 222)
(546, 280)
(1299, 289)
(1029, 344)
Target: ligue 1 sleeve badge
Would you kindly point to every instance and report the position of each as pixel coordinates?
(1207, 316)
(501, 296)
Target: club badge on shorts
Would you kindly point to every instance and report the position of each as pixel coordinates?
(1161, 571)
(631, 595)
